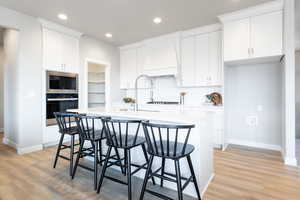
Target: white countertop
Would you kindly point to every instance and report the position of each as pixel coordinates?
(179, 116)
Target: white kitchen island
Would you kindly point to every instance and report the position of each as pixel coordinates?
(201, 137)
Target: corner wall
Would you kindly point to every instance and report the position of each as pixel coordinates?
(1, 82)
(254, 90)
(297, 86)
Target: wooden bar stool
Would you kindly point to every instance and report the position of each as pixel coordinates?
(162, 141)
(117, 131)
(67, 126)
(91, 131)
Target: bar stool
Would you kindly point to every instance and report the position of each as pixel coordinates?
(91, 130)
(162, 141)
(117, 131)
(66, 126)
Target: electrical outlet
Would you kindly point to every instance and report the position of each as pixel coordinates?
(260, 108)
(252, 121)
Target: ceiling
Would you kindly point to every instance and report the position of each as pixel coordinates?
(129, 20)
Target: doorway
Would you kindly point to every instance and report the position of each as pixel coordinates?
(97, 84)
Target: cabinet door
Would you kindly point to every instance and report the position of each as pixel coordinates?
(236, 40)
(70, 53)
(266, 34)
(128, 68)
(215, 58)
(202, 59)
(188, 65)
(52, 50)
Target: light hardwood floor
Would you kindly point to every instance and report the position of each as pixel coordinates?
(241, 174)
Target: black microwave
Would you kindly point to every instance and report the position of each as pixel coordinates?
(61, 82)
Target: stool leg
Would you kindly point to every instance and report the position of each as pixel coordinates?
(120, 161)
(58, 149)
(129, 173)
(71, 154)
(95, 164)
(125, 162)
(193, 175)
(146, 178)
(147, 160)
(178, 179)
(104, 169)
(100, 151)
(77, 158)
(163, 162)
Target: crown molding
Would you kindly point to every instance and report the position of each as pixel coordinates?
(272, 6)
(59, 28)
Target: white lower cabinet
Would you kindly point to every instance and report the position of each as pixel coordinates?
(218, 131)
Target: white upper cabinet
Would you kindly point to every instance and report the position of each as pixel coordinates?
(267, 34)
(236, 39)
(254, 33)
(70, 52)
(201, 59)
(128, 67)
(52, 51)
(188, 61)
(60, 48)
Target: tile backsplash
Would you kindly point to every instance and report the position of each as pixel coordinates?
(166, 89)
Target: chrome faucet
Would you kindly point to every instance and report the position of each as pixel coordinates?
(136, 108)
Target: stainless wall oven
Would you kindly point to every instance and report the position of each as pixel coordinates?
(62, 94)
(60, 82)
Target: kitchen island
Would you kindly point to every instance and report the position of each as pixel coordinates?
(200, 137)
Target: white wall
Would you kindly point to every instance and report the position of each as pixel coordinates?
(1, 81)
(28, 89)
(166, 89)
(297, 86)
(247, 88)
(100, 51)
(11, 73)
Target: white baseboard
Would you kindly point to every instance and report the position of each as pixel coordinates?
(255, 144)
(9, 143)
(206, 186)
(24, 150)
(290, 161)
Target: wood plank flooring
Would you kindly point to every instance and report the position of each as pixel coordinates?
(241, 174)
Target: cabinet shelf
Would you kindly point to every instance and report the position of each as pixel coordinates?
(96, 82)
(96, 92)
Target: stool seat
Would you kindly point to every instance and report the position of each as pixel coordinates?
(99, 135)
(169, 151)
(73, 130)
(130, 142)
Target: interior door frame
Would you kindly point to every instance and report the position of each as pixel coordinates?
(107, 81)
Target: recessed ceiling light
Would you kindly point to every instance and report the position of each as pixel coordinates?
(62, 16)
(157, 20)
(108, 35)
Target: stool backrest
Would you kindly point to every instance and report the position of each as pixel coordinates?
(64, 121)
(167, 139)
(119, 132)
(89, 127)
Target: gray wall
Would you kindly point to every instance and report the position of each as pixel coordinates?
(1, 81)
(297, 94)
(247, 88)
